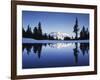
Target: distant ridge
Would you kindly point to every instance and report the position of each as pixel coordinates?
(59, 35)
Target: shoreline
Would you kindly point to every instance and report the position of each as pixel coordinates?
(28, 40)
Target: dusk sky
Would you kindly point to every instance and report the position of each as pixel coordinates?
(54, 21)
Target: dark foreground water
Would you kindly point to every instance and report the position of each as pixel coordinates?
(40, 55)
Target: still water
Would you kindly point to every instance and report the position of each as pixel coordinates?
(43, 55)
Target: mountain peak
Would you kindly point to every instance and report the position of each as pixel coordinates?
(59, 35)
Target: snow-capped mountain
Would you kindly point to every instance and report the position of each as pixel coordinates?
(59, 35)
(60, 45)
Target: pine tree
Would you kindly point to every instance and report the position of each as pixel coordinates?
(39, 30)
(28, 32)
(35, 32)
(76, 29)
(87, 33)
(83, 33)
(23, 32)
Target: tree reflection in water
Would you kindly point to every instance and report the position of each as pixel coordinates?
(84, 47)
(28, 48)
(76, 51)
(37, 48)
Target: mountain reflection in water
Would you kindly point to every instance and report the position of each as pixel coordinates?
(42, 55)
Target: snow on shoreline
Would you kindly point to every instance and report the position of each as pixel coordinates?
(28, 40)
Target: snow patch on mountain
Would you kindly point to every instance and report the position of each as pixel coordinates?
(59, 35)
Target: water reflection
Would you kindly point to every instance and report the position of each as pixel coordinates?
(76, 51)
(37, 48)
(73, 51)
(28, 48)
(60, 45)
(84, 47)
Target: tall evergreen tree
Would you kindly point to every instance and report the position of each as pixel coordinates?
(29, 32)
(84, 34)
(39, 30)
(23, 32)
(76, 29)
(35, 33)
(87, 33)
(35, 30)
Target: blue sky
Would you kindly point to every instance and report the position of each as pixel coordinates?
(54, 21)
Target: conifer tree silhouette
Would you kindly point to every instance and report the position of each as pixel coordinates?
(76, 29)
(84, 34)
